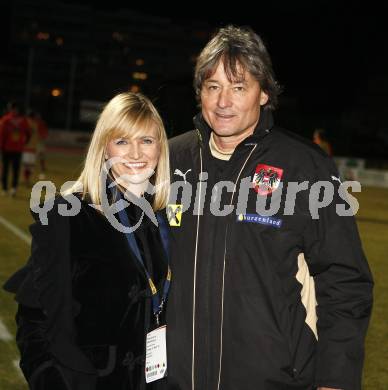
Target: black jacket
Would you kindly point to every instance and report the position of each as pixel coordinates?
(242, 309)
(84, 302)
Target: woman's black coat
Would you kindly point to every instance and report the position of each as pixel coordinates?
(84, 302)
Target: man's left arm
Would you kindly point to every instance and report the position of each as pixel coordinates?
(344, 287)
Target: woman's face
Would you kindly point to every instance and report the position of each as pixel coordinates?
(138, 157)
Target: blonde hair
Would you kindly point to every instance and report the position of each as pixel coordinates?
(126, 115)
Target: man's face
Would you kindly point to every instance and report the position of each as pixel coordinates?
(232, 108)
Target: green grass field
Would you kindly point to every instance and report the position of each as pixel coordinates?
(373, 225)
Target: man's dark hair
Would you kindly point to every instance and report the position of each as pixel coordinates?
(240, 49)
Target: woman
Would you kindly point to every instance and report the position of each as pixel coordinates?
(85, 299)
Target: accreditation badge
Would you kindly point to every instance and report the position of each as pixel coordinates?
(156, 355)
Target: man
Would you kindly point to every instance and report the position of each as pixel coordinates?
(30, 148)
(242, 310)
(14, 135)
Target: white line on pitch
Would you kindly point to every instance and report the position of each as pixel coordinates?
(4, 332)
(15, 230)
(16, 365)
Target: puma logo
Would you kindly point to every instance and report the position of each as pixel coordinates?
(180, 173)
(336, 178)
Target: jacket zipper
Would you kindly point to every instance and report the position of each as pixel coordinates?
(195, 278)
(223, 271)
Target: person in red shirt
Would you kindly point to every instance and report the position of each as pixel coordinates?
(15, 133)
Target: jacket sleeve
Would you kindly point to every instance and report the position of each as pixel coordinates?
(343, 288)
(37, 363)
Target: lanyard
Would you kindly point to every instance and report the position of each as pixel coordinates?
(157, 303)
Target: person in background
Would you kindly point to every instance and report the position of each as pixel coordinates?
(90, 291)
(320, 138)
(15, 134)
(30, 148)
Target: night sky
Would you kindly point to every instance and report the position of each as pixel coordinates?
(325, 53)
(330, 57)
(314, 45)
